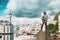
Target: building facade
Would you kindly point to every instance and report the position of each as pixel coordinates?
(59, 23)
(6, 29)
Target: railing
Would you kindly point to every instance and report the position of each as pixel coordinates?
(6, 33)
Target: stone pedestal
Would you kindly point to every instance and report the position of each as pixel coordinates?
(43, 36)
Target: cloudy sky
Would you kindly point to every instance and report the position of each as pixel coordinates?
(23, 10)
(29, 8)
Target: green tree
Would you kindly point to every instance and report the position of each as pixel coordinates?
(56, 19)
(53, 27)
(50, 26)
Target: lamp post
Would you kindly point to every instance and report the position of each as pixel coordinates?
(10, 25)
(10, 18)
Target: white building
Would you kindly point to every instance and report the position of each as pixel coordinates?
(59, 23)
(4, 28)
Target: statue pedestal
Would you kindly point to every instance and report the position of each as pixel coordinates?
(43, 36)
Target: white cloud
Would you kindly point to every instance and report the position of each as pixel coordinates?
(18, 21)
(55, 4)
(23, 8)
(12, 5)
(33, 1)
(48, 12)
(27, 8)
(6, 11)
(51, 20)
(27, 21)
(54, 7)
(56, 10)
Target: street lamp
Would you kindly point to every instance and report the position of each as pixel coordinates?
(10, 18)
(10, 24)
